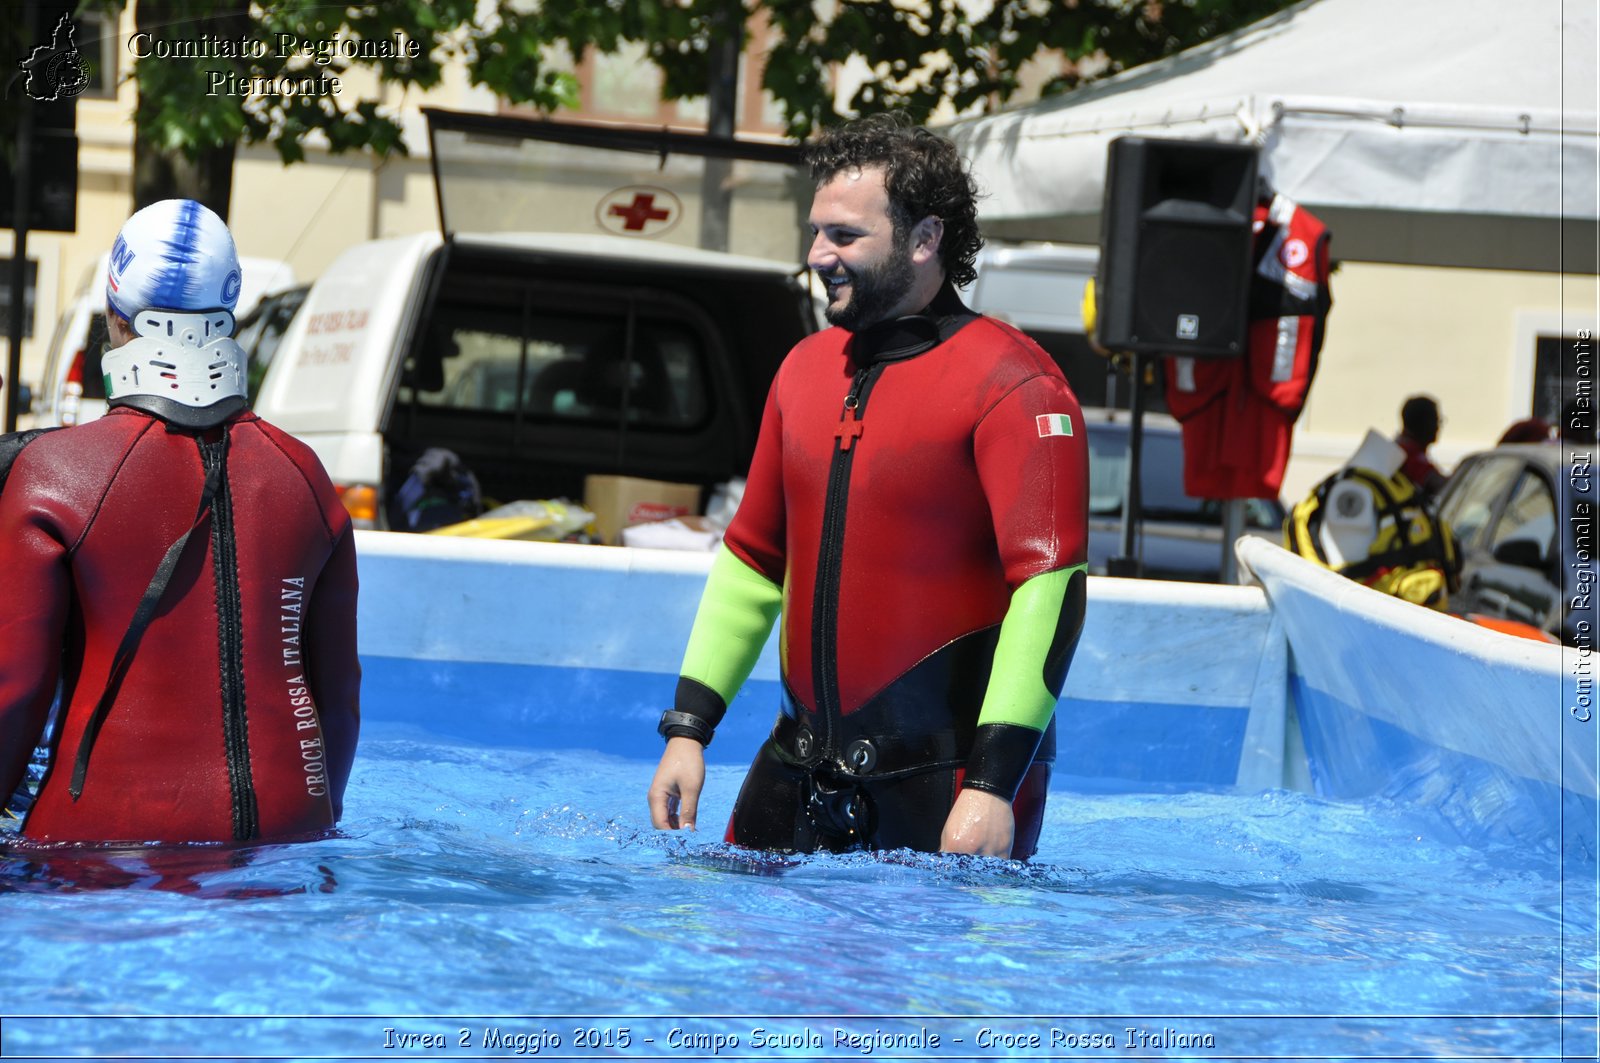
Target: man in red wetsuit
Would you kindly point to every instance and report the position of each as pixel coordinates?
(185, 571)
(916, 509)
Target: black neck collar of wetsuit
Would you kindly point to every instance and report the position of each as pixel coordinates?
(906, 337)
(181, 419)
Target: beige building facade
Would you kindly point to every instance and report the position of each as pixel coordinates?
(1471, 338)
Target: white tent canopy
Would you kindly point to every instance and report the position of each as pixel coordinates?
(1445, 131)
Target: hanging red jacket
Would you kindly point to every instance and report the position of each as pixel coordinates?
(1238, 413)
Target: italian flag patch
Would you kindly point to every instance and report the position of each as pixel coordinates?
(1054, 424)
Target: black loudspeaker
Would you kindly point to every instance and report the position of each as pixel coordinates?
(1175, 247)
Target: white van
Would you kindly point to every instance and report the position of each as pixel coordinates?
(1036, 287)
(542, 356)
(1039, 289)
(72, 390)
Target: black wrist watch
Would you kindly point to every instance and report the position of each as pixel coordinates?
(676, 724)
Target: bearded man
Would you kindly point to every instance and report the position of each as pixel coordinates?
(916, 510)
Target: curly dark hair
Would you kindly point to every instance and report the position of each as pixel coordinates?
(923, 175)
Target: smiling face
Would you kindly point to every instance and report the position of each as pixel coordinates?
(873, 272)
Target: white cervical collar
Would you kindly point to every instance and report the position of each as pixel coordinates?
(186, 358)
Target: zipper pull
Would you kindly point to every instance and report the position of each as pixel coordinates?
(849, 424)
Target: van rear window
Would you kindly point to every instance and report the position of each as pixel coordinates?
(568, 366)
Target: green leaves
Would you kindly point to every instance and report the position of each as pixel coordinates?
(912, 55)
(216, 73)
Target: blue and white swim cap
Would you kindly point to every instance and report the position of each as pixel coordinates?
(173, 255)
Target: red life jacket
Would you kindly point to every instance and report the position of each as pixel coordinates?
(1238, 413)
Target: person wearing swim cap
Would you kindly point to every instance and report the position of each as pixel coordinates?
(916, 511)
(185, 572)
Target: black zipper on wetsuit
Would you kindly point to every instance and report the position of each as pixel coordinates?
(230, 652)
(830, 558)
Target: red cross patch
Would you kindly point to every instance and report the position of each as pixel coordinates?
(1295, 252)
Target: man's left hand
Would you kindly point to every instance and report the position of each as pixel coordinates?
(980, 823)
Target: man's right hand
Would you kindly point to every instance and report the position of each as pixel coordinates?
(675, 791)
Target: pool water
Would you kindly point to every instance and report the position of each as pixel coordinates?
(525, 892)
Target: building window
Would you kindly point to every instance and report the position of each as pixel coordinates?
(96, 38)
(1564, 369)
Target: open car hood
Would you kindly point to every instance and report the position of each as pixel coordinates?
(501, 173)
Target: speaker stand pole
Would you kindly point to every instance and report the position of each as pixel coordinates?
(1233, 510)
(1128, 563)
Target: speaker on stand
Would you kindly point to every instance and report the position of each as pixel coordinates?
(1174, 275)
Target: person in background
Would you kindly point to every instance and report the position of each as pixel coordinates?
(1527, 430)
(1577, 427)
(916, 509)
(1419, 430)
(186, 572)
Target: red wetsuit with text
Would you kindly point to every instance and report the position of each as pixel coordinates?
(237, 717)
(902, 487)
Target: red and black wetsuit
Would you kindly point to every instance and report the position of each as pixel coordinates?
(914, 485)
(237, 717)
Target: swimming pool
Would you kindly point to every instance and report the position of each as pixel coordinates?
(497, 886)
(523, 891)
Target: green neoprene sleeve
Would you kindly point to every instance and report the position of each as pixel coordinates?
(1018, 692)
(736, 613)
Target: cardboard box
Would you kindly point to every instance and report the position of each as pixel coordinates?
(618, 501)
